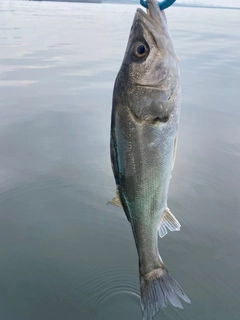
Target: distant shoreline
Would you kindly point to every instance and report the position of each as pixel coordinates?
(183, 5)
(77, 1)
(174, 5)
(205, 7)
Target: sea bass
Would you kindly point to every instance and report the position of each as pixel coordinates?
(144, 126)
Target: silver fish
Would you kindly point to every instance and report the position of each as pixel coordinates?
(144, 126)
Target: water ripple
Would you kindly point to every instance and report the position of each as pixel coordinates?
(102, 286)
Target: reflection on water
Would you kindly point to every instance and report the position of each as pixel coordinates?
(64, 253)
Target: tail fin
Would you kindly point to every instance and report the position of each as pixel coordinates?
(158, 288)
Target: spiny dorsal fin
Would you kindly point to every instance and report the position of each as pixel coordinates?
(168, 221)
(116, 200)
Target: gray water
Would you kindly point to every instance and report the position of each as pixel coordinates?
(64, 253)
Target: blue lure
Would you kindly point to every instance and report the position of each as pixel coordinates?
(162, 5)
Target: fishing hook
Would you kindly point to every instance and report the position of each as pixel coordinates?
(162, 5)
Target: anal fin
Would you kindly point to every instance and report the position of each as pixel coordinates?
(168, 221)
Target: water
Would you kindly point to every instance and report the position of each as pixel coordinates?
(64, 253)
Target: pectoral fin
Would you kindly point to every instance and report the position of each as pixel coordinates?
(116, 200)
(168, 221)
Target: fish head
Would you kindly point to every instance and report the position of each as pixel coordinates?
(149, 74)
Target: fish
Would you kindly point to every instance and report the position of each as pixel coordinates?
(143, 141)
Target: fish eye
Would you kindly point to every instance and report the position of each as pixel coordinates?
(140, 50)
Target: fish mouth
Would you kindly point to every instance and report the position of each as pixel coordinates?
(154, 15)
(155, 22)
(146, 18)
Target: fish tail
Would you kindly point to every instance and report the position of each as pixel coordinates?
(158, 288)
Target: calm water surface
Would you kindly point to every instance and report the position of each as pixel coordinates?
(64, 253)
